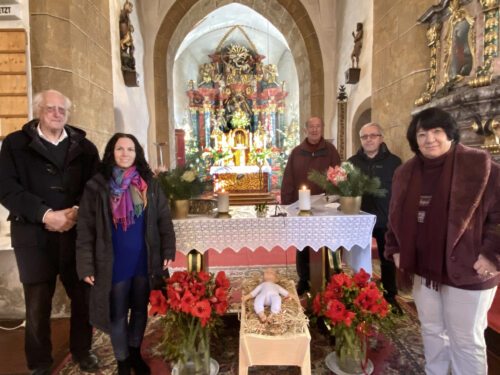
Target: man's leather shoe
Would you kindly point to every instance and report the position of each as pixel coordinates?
(41, 371)
(87, 363)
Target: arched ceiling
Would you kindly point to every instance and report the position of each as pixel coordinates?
(211, 30)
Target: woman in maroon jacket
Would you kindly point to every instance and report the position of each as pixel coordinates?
(444, 217)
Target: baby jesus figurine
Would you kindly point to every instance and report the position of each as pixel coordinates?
(267, 293)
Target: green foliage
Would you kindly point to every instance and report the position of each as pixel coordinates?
(347, 181)
(261, 207)
(181, 183)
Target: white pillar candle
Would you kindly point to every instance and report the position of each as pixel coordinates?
(304, 199)
(223, 201)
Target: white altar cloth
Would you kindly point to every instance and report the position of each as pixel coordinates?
(326, 227)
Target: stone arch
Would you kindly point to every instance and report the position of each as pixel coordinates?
(362, 115)
(289, 17)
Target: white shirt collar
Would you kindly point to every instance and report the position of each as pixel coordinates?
(63, 136)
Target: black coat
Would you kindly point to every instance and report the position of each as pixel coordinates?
(29, 180)
(382, 166)
(94, 244)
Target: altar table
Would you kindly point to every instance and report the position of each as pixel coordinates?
(326, 227)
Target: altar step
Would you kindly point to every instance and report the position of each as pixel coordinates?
(248, 199)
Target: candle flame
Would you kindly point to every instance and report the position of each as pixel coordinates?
(304, 187)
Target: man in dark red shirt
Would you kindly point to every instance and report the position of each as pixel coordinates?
(313, 153)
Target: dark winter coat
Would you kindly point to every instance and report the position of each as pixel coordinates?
(473, 216)
(302, 160)
(382, 166)
(29, 179)
(94, 245)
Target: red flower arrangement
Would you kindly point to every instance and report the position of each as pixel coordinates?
(352, 306)
(194, 303)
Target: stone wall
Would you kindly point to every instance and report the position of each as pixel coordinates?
(71, 52)
(400, 67)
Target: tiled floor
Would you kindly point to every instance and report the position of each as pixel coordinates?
(12, 360)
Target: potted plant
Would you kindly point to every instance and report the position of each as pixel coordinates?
(180, 184)
(191, 310)
(352, 307)
(348, 182)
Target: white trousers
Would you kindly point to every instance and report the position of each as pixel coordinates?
(453, 322)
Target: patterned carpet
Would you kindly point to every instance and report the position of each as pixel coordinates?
(397, 352)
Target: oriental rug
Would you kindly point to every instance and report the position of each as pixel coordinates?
(396, 352)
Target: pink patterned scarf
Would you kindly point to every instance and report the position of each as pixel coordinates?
(128, 195)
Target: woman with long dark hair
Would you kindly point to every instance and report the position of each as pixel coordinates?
(125, 241)
(443, 232)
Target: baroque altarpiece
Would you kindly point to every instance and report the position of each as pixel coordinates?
(237, 116)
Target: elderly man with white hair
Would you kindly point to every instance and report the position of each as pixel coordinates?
(43, 170)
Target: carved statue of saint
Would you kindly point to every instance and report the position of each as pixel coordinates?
(358, 44)
(270, 75)
(461, 55)
(206, 71)
(126, 41)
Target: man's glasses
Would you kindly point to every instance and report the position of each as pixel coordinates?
(54, 109)
(369, 136)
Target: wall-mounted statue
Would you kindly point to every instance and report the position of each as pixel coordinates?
(353, 73)
(127, 45)
(358, 44)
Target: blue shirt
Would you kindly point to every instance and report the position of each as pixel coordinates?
(129, 251)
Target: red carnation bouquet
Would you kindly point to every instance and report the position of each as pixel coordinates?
(353, 307)
(194, 304)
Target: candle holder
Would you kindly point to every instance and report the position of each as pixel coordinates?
(223, 215)
(305, 213)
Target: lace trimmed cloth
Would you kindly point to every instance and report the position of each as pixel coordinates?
(326, 227)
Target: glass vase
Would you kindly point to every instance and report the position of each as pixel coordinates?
(261, 213)
(195, 356)
(350, 350)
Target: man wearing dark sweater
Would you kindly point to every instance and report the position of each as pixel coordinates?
(43, 170)
(375, 160)
(313, 153)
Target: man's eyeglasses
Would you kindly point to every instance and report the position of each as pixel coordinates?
(54, 109)
(369, 136)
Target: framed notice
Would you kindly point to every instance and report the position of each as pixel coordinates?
(13, 82)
